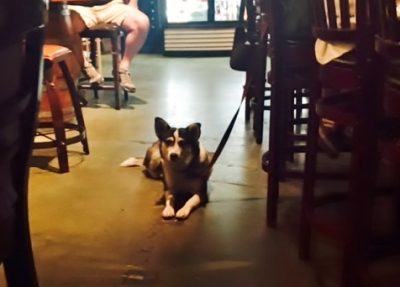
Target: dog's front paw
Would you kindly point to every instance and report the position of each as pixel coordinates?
(168, 212)
(183, 213)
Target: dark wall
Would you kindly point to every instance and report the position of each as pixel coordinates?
(154, 9)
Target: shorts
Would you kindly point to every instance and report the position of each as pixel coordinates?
(113, 12)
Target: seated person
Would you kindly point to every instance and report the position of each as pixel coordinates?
(134, 22)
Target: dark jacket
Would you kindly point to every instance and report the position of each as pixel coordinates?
(18, 17)
(297, 17)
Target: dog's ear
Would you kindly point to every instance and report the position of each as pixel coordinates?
(161, 127)
(194, 130)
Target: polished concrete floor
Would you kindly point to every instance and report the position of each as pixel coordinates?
(98, 225)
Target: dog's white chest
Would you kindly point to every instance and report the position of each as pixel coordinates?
(178, 182)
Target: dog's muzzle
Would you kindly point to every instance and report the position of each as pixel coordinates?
(173, 157)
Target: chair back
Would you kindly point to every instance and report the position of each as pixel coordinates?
(290, 33)
(387, 47)
(388, 29)
(290, 20)
(340, 20)
(388, 23)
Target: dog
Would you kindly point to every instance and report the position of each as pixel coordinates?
(183, 164)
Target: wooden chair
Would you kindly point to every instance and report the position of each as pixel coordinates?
(349, 99)
(388, 49)
(117, 37)
(17, 126)
(293, 70)
(258, 98)
(60, 114)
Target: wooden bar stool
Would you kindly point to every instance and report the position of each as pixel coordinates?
(61, 121)
(117, 38)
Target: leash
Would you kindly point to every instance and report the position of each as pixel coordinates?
(228, 130)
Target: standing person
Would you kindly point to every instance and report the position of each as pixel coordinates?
(126, 15)
(21, 41)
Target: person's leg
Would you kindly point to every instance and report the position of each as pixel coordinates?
(77, 21)
(82, 18)
(136, 26)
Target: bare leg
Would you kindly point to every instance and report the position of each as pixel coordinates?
(136, 26)
(77, 27)
(77, 22)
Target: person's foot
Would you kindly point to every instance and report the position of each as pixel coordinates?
(93, 76)
(126, 81)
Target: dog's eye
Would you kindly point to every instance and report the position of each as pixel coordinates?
(169, 142)
(181, 143)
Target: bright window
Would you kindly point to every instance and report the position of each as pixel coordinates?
(226, 10)
(180, 11)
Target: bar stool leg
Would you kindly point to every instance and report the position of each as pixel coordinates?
(115, 61)
(93, 58)
(76, 105)
(122, 51)
(58, 124)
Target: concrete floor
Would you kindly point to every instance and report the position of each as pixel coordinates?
(98, 225)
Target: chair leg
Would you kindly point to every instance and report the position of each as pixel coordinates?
(273, 156)
(363, 178)
(93, 52)
(93, 58)
(115, 63)
(75, 102)
(272, 197)
(247, 102)
(259, 109)
(287, 115)
(261, 53)
(247, 109)
(258, 126)
(310, 169)
(59, 129)
(358, 213)
(352, 265)
(122, 51)
(298, 109)
(397, 217)
(96, 93)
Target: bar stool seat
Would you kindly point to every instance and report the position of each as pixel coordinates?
(60, 119)
(117, 38)
(55, 53)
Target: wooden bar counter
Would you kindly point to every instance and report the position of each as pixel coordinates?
(60, 30)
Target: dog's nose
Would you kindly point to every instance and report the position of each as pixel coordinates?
(173, 156)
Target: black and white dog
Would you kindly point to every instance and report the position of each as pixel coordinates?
(182, 163)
